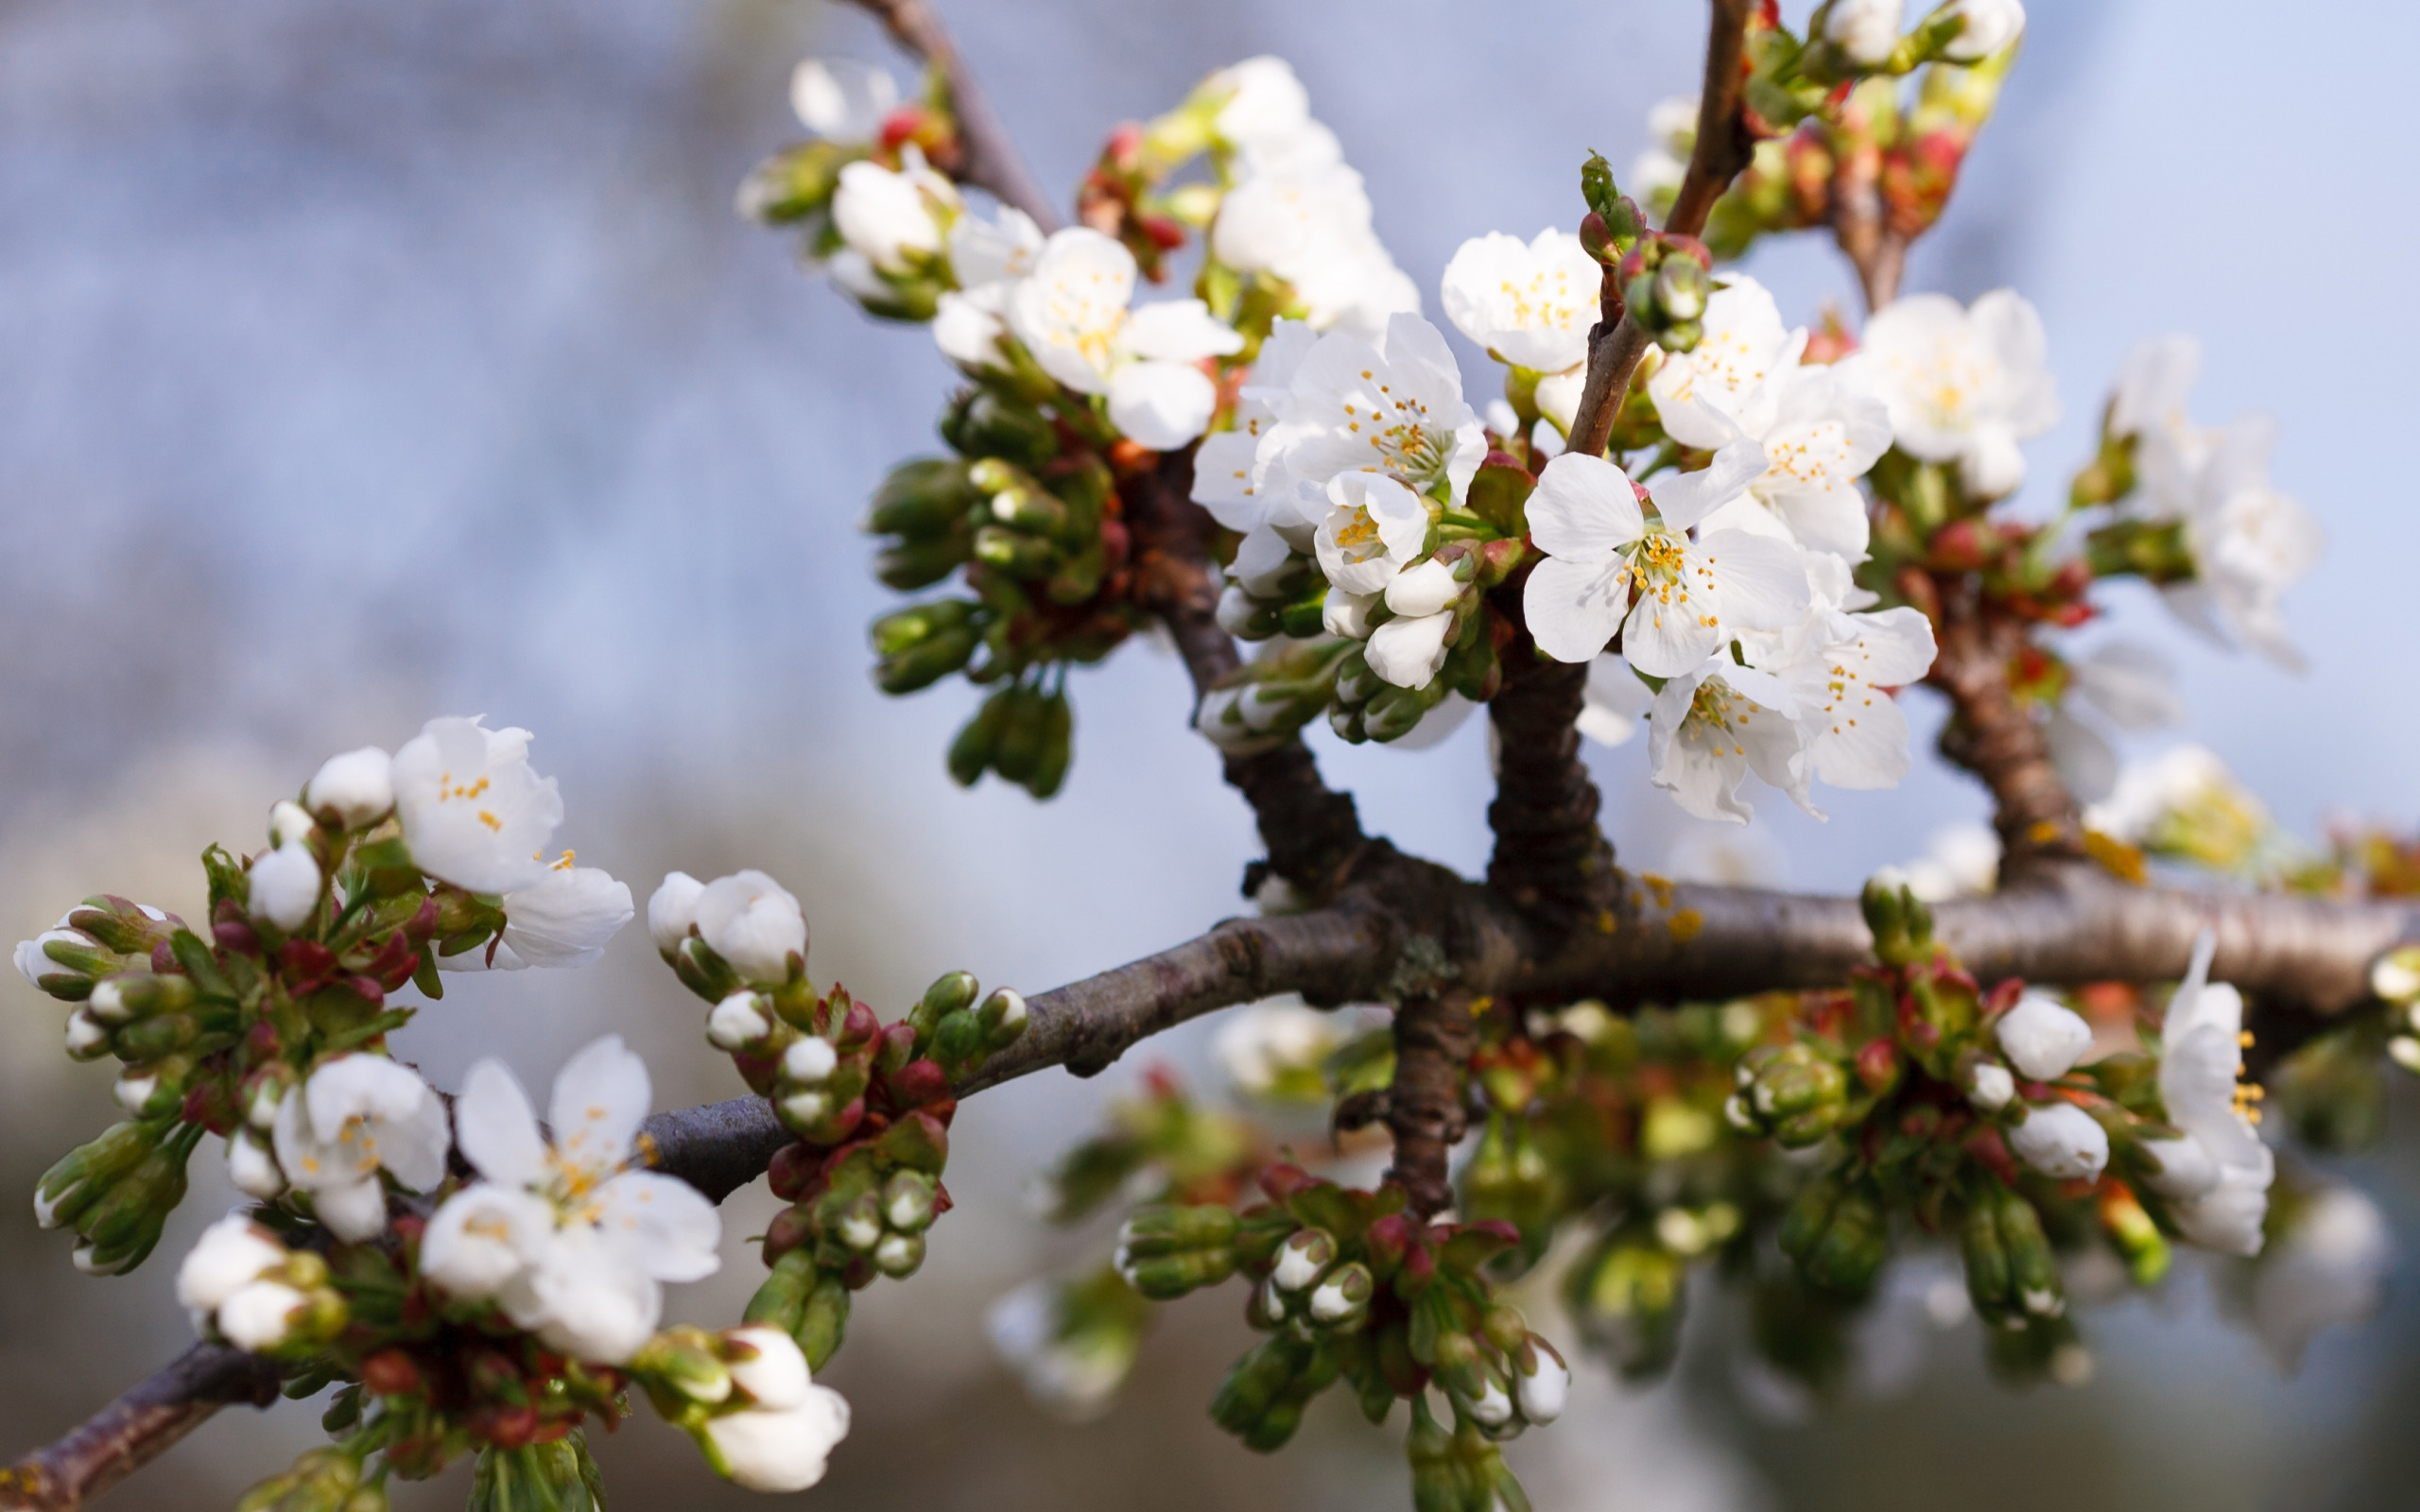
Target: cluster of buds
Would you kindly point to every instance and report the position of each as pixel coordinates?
(871, 1104)
(116, 1193)
(1349, 1285)
(1032, 516)
(243, 1284)
(1444, 596)
(1665, 280)
(1263, 702)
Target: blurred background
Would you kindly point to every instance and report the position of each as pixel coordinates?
(361, 362)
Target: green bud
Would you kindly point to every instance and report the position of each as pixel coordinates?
(823, 1320)
(1026, 509)
(1018, 554)
(681, 1366)
(155, 1037)
(926, 497)
(1003, 1018)
(85, 1173)
(915, 564)
(781, 1301)
(1058, 748)
(922, 666)
(1682, 285)
(1597, 186)
(971, 751)
(983, 424)
(139, 994)
(1395, 712)
(1987, 1272)
(120, 1229)
(1166, 1278)
(1355, 684)
(905, 629)
(907, 1200)
(951, 992)
(2032, 1269)
(554, 1477)
(1170, 1230)
(898, 1255)
(1025, 730)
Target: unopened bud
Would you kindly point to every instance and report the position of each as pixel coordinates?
(1342, 1295)
(740, 1020)
(1305, 1253)
(810, 1062)
(898, 1255)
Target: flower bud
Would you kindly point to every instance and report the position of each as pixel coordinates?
(88, 1038)
(1794, 1093)
(1305, 1253)
(754, 925)
(290, 823)
(285, 887)
(1343, 1296)
(682, 1364)
(740, 1020)
(1839, 1234)
(2396, 977)
(62, 962)
(1990, 1087)
(898, 1255)
(1002, 1018)
(1986, 27)
(253, 1168)
(354, 789)
(2062, 1141)
(2042, 1039)
(1541, 1381)
(673, 909)
(907, 1201)
(810, 1062)
(1865, 31)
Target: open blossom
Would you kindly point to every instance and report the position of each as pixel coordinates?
(1962, 385)
(1374, 528)
(842, 99)
(231, 1255)
(1819, 429)
(1069, 1358)
(1231, 477)
(1071, 313)
(1529, 305)
(355, 1116)
(2250, 543)
(1693, 595)
(566, 919)
(1395, 409)
(570, 1240)
(2216, 1173)
(1711, 727)
(987, 257)
(781, 1439)
(1265, 104)
(1276, 1049)
(1839, 668)
(474, 814)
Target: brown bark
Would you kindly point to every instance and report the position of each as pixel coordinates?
(1434, 1037)
(987, 155)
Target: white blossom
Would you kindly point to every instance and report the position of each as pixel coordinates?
(2042, 1038)
(566, 919)
(842, 99)
(737, 1020)
(1865, 30)
(1671, 130)
(2185, 784)
(357, 1115)
(1071, 313)
(473, 812)
(1990, 1088)
(285, 885)
(754, 924)
(2153, 384)
(895, 219)
(1959, 861)
(1819, 429)
(251, 1168)
(1409, 652)
(781, 1441)
(1990, 25)
(1374, 527)
(566, 1236)
(673, 909)
(261, 1316)
(2133, 685)
(1839, 667)
(231, 1255)
(1394, 409)
(1303, 217)
(357, 788)
(2216, 1176)
(1962, 385)
(1543, 1392)
(1707, 730)
(2061, 1141)
(2250, 544)
(987, 259)
(1265, 103)
(1231, 477)
(1693, 595)
(1531, 306)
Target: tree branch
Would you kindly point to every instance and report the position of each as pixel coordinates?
(1551, 858)
(131, 1432)
(1313, 834)
(1433, 1041)
(988, 158)
(1998, 739)
(1723, 148)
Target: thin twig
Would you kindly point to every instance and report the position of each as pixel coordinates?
(1721, 150)
(988, 158)
(122, 1437)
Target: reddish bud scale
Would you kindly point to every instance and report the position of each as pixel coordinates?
(1284, 1179)
(164, 961)
(917, 1083)
(792, 1168)
(391, 1373)
(237, 937)
(1877, 1064)
(758, 1072)
(1991, 1152)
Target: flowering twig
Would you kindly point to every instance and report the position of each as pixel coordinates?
(1433, 1040)
(988, 158)
(1551, 857)
(1992, 735)
(1721, 150)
